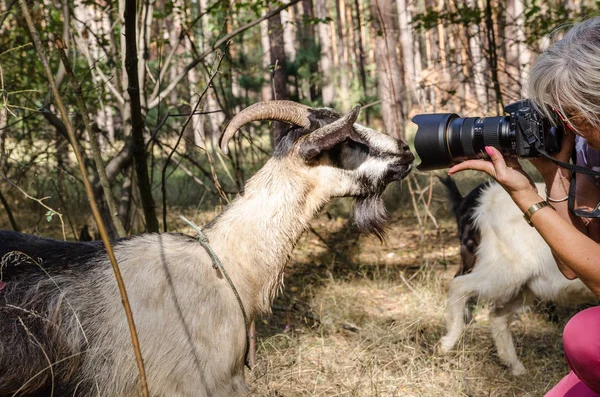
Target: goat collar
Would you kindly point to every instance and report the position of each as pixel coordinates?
(203, 240)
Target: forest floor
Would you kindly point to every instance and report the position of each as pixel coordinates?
(368, 324)
(358, 317)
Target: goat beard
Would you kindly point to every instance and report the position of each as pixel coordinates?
(371, 216)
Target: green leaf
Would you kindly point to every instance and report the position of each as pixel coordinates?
(49, 215)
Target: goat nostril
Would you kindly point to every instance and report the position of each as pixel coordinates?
(403, 146)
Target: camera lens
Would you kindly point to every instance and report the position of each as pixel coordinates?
(445, 139)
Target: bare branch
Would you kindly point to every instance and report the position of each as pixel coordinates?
(51, 211)
(120, 161)
(180, 164)
(187, 121)
(105, 79)
(112, 206)
(90, 194)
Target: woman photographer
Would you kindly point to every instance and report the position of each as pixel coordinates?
(565, 81)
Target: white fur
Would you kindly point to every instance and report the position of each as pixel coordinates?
(514, 266)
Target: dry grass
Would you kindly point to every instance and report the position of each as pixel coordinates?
(364, 319)
(372, 329)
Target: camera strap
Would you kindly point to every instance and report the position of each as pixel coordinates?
(574, 169)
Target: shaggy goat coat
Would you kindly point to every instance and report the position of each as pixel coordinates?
(182, 332)
(514, 266)
(62, 325)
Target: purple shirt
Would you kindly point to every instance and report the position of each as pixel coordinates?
(588, 158)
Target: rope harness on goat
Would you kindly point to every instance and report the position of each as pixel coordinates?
(203, 240)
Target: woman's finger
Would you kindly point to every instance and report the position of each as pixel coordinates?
(477, 165)
(495, 168)
(497, 160)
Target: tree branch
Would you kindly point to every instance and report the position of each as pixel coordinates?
(187, 121)
(90, 194)
(110, 201)
(137, 120)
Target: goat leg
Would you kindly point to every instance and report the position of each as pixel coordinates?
(500, 318)
(458, 295)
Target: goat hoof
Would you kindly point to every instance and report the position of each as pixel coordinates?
(446, 344)
(518, 369)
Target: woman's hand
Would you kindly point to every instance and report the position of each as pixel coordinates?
(508, 173)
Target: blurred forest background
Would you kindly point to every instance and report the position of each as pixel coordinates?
(195, 63)
(146, 87)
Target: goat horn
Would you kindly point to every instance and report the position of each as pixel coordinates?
(286, 111)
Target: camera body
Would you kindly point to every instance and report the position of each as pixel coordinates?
(446, 139)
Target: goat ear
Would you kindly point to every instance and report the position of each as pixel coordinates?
(329, 135)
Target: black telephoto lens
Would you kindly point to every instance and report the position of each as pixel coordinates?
(431, 141)
(445, 139)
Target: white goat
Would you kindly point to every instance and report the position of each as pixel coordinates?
(513, 266)
(62, 326)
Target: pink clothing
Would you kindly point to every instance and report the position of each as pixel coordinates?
(581, 339)
(571, 386)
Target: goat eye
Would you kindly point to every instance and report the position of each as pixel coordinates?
(357, 146)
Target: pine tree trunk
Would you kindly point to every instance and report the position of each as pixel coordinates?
(389, 75)
(279, 77)
(522, 48)
(360, 50)
(408, 50)
(350, 35)
(479, 62)
(342, 51)
(266, 94)
(215, 119)
(493, 57)
(326, 62)
(464, 66)
(194, 131)
(289, 42)
(308, 43)
(289, 33)
(444, 78)
(234, 75)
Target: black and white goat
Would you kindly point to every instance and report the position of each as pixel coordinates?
(463, 209)
(512, 267)
(62, 325)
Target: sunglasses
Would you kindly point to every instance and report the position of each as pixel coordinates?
(564, 119)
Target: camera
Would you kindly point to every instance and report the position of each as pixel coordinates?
(446, 139)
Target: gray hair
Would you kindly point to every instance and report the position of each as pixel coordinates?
(566, 76)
